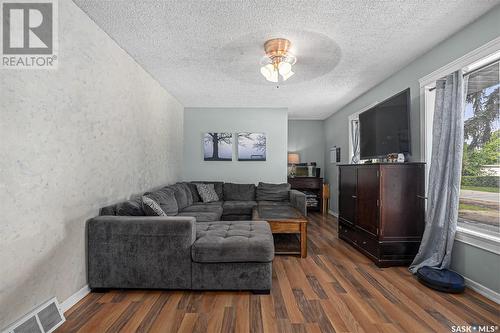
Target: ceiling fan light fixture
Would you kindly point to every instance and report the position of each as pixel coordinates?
(278, 61)
(269, 72)
(287, 75)
(284, 68)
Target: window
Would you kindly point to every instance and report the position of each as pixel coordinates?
(479, 193)
(479, 210)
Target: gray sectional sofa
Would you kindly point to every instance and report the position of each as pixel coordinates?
(202, 246)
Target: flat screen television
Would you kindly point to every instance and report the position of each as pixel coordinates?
(385, 128)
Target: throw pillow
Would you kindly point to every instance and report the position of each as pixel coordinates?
(218, 186)
(207, 192)
(151, 207)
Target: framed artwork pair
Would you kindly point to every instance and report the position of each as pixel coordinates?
(218, 146)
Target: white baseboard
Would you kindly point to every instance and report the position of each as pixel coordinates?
(480, 289)
(331, 212)
(75, 298)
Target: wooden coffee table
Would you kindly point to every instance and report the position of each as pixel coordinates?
(284, 220)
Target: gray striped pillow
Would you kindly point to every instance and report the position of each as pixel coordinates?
(207, 192)
(151, 207)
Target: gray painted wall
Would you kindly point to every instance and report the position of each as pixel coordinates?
(479, 265)
(336, 126)
(307, 138)
(91, 133)
(272, 121)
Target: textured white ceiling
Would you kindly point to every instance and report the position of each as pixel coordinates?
(207, 53)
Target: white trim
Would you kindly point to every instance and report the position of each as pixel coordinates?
(480, 289)
(355, 116)
(464, 61)
(331, 212)
(75, 298)
(478, 239)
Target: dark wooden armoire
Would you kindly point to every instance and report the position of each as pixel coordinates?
(381, 210)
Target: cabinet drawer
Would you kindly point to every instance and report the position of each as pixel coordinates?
(399, 249)
(348, 233)
(285, 227)
(306, 183)
(368, 244)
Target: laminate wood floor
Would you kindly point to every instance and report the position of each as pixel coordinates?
(335, 289)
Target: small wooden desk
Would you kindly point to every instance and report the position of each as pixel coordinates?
(311, 185)
(284, 220)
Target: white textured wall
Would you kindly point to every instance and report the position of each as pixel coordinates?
(91, 133)
(272, 121)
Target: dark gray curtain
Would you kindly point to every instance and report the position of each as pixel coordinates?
(444, 174)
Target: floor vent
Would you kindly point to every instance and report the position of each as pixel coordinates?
(44, 319)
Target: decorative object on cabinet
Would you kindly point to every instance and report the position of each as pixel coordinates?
(306, 169)
(293, 159)
(381, 210)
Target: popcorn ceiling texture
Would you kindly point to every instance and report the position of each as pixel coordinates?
(91, 133)
(207, 53)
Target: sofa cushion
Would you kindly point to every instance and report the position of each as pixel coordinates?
(131, 207)
(239, 192)
(151, 207)
(207, 192)
(203, 208)
(202, 216)
(218, 186)
(236, 217)
(273, 192)
(229, 241)
(238, 207)
(194, 192)
(165, 197)
(274, 203)
(187, 190)
(180, 195)
(213, 203)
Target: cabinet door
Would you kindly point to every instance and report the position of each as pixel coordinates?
(403, 203)
(368, 199)
(347, 194)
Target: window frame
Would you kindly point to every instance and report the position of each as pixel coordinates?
(355, 116)
(480, 240)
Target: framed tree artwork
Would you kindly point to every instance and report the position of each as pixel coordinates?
(218, 146)
(251, 146)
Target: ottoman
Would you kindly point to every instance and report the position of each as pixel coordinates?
(232, 255)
